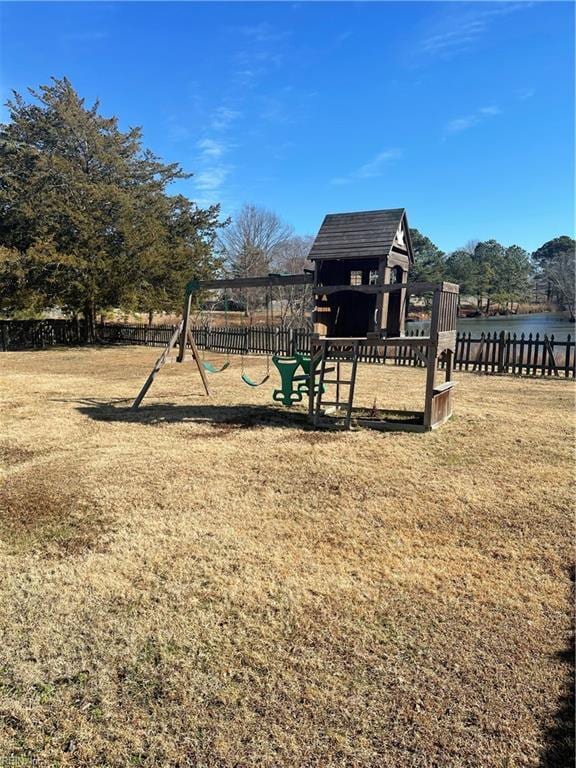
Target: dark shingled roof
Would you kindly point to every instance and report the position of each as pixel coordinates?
(363, 234)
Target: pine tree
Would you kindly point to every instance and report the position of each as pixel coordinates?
(85, 206)
(429, 263)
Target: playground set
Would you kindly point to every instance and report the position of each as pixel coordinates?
(360, 287)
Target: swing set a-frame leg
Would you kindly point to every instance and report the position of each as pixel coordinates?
(198, 362)
(175, 338)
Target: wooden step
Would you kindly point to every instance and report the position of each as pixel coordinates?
(336, 381)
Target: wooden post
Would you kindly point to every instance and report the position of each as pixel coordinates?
(318, 395)
(315, 351)
(185, 326)
(449, 364)
(432, 360)
(5, 337)
(159, 363)
(430, 384)
(552, 367)
(352, 386)
(198, 362)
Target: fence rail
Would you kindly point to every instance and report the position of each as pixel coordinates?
(498, 352)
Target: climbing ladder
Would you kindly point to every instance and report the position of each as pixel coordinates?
(338, 352)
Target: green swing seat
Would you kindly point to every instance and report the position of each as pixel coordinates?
(247, 380)
(305, 362)
(211, 368)
(287, 367)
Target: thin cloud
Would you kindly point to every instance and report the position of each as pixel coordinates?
(263, 33)
(212, 148)
(460, 124)
(342, 37)
(459, 29)
(490, 110)
(373, 169)
(213, 172)
(211, 179)
(525, 93)
(255, 61)
(223, 117)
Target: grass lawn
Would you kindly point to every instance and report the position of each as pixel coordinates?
(209, 583)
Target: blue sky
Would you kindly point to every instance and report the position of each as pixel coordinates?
(463, 113)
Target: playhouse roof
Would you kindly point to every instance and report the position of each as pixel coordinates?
(363, 234)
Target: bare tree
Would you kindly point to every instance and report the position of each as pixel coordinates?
(560, 272)
(291, 258)
(470, 246)
(248, 247)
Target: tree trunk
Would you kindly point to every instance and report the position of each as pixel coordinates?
(89, 322)
(76, 326)
(150, 316)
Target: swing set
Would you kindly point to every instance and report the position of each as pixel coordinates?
(269, 321)
(246, 378)
(183, 339)
(209, 366)
(361, 290)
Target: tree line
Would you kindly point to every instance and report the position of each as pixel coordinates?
(87, 223)
(501, 275)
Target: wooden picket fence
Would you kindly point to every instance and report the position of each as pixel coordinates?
(39, 334)
(492, 353)
(499, 352)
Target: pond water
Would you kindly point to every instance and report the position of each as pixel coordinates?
(548, 323)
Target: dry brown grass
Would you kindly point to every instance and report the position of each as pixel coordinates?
(212, 584)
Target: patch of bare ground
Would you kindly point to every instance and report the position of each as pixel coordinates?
(45, 510)
(211, 583)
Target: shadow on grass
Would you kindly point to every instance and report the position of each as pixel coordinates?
(559, 751)
(239, 416)
(227, 416)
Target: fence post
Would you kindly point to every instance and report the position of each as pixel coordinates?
(501, 348)
(5, 338)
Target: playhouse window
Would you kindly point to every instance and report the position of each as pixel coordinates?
(356, 277)
(373, 279)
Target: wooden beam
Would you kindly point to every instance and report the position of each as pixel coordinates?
(391, 426)
(185, 326)
(375, 341)
(411, 288)
(255, 282)
(443, 387)
(198, 361)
